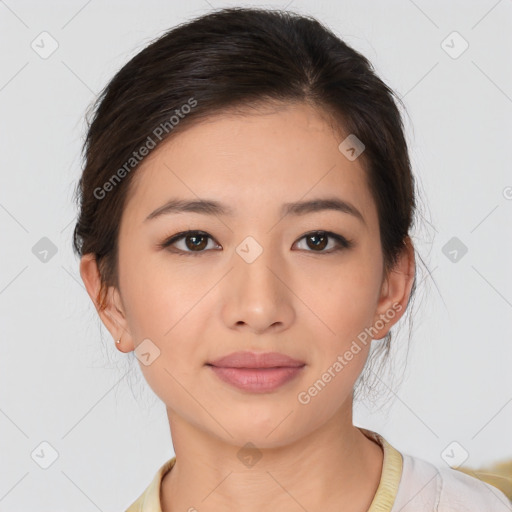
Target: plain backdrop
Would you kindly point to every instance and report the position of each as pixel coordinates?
(71, 401)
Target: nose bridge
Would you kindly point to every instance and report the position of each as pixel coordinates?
(256, 263)
(256, 295)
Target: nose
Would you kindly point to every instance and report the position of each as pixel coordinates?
(256, 296)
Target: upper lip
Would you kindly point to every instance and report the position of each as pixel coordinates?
(256, 360)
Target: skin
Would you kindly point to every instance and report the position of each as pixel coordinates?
(304, 302)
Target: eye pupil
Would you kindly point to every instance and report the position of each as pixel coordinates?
(194, 245)
(320, 244)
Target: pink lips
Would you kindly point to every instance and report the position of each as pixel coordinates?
(256, 372)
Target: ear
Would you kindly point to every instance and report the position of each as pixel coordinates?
(112, 315)
(395, 291)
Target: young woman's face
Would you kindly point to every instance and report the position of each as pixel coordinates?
(255, 279)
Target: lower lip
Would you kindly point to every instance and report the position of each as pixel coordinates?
(257, 380)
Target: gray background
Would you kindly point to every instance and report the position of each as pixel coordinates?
(62, 381)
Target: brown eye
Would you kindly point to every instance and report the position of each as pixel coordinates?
(191, 242)
(197, 242)
(317, 241)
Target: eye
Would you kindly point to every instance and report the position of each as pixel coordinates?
(194, 242)
(197, 242)
(319, 240)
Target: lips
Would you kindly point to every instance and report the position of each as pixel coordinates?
(255, 372)
(256, 360)
(257, 380)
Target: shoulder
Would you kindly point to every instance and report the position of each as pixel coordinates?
(149, 500)
(425, 487)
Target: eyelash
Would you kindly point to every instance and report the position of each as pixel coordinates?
(343, 243)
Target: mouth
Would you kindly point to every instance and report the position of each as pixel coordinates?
(257, 380)
(256, 372)
(256, 360)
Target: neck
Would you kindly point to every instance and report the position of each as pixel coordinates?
(335, 467)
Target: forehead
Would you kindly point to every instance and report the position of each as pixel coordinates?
(252, 162)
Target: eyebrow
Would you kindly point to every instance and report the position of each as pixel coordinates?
(212, 207)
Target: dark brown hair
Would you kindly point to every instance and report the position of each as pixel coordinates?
(236, 59)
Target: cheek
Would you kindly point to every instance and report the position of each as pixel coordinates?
(345, 296)
(165, 305)
(152, 296)
(162, 307)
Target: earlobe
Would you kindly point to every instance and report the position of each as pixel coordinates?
(111, 312)
(396, 290)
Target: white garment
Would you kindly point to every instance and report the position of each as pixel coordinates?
(425, 487)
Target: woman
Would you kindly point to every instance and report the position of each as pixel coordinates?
(244, 229)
